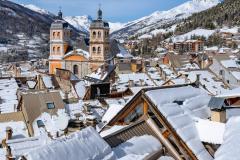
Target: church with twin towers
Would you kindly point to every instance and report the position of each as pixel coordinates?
(81, 62)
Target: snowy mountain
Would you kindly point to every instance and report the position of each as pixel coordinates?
(82, 23)
(37, 9)
(162, 19)
(25, 29)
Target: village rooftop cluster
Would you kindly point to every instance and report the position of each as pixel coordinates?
(95, 100)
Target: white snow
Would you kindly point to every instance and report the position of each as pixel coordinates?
(82, 23)
(31, 84)
(111, 112)
(53, 124)
(8, 95)
(231, 93)
(230, 148)
(79, 52)
(198, 32)
(208, 80)
(236, 74)
(37, 9)
(47, 80)
(233, 30)
(80, 89)
(86, 144)
(137, 146)
(180, 116)
(229, 64)
(19, 130)
(209, 131)
(111, 130)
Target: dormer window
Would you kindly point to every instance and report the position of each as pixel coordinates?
(50, 105)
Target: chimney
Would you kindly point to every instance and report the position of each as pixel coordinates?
(9, 153)
(130, 83)
(141, 82)
(9, 133)
(197, 80)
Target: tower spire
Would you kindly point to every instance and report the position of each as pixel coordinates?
(60, 14)
(99, 13)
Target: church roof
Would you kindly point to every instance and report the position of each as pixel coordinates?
(78, 52)
(99, 24)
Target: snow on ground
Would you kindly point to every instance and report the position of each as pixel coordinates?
(8, 95)
(175, 107)
(86, 144)
(198, 32)
(230, 148)
(136, 147)
(19, 130)
(232, 30)
(53, 124)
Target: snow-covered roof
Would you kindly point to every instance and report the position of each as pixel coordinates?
(80, 89)
(209, 131)
(135, 148)
(78, 52)
(86, 144)
(53, 123)
(8, 95)
(111, 112)
(229, 63)
(214, 48)
(123, 53)
(19, 129)
(181, 116)
(48, 82)
(230, 93)
(208, 80)
(230, 148)
(236, 74)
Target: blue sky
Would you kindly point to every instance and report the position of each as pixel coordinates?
(113, 10)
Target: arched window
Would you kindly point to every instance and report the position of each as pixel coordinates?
(58, 49)
(99, 49)
(94, 49)
(94, 34)
(75, 69)
(54, 49)
(58, 34)
(99, 34)
(54, 35)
